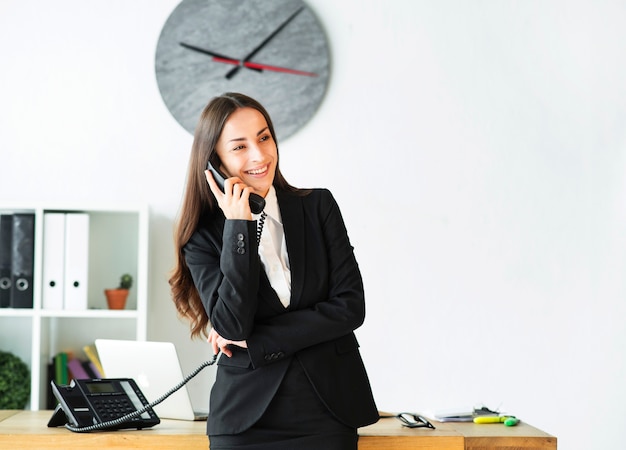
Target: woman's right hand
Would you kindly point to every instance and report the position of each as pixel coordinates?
(234, 201)
(218, 343)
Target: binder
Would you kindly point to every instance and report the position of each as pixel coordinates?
(61, 374)
(90, 370)
(51, 400)
(22, 257)
(53, 260)
(76, 369)
(6, 234)
(92, 353)
(76, 260)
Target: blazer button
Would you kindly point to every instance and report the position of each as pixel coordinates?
(241, 244)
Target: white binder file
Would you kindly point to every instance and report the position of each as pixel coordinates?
(53, 260)
(76, 260)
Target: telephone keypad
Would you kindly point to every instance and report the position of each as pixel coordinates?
(112, 407)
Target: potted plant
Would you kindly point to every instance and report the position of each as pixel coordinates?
(116, 298)
(14, 382)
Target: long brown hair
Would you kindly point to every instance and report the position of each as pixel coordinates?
(198, 200)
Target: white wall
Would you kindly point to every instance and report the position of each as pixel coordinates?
(476, 149)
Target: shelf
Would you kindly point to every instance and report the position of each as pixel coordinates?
(118, 243)
(90, 313)
(17, 312)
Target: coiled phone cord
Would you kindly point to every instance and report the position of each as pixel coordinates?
(259, 229)
(120, 420)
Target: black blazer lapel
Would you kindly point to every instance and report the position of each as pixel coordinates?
(292, 213)
(267, 292)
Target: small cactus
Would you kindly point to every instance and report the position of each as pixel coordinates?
(126, 281)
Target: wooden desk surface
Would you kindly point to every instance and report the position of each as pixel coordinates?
(497, 436)
(28, 430)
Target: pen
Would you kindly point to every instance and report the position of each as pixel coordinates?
(509, 421)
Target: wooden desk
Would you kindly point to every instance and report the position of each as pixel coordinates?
(388, 434)
(497, 436)
(28, 430)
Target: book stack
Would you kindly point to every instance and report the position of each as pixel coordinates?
(17, 239)
(65, 367)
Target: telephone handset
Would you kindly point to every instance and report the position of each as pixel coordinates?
(257, 203)
(85, 403)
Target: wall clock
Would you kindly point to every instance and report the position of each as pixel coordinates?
(272, 50)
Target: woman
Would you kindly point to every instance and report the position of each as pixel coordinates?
(282, 306)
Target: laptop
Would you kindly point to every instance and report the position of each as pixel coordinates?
(155, 368)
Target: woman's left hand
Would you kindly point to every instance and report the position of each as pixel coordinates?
(218, 343)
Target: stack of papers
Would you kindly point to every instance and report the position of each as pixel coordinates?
(460, 414)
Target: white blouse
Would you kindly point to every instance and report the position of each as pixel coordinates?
(273, 249)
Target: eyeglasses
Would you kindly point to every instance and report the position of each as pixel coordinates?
(414, 421)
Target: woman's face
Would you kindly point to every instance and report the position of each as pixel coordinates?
(247, 150)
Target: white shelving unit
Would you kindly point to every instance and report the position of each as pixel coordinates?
(118, 243)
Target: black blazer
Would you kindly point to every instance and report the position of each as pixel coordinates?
(327, 304)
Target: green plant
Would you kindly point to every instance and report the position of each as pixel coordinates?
(14, 382)
(126, 281)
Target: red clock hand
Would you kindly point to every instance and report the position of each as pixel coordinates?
(257, 66)
(217, 57)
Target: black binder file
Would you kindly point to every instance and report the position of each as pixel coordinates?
(6, 233)
(22, 256)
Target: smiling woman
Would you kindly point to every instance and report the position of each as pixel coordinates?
(282, 300)
(273, 51)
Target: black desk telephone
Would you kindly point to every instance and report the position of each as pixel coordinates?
(108, 404)
(88, 402)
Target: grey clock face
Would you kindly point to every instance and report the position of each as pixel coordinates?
(279, 47)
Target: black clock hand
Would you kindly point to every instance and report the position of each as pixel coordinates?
(211, 53)
(234, 70)
(203, 50)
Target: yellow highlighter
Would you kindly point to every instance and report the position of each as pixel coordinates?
(509, 421)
